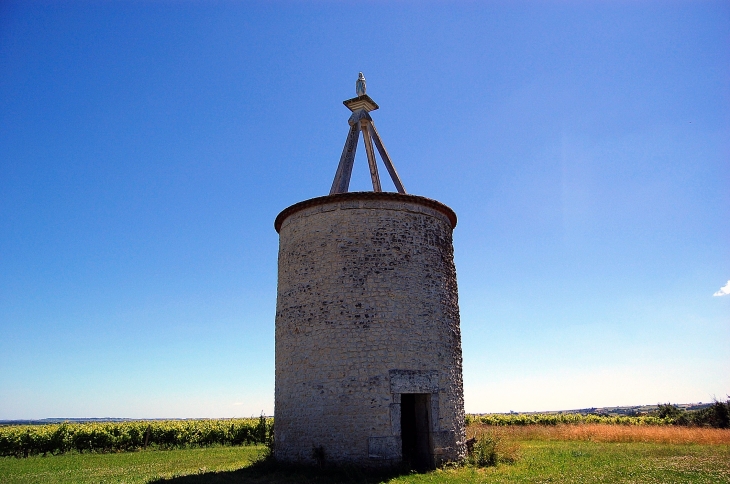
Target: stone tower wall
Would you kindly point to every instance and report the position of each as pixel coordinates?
(367, 310)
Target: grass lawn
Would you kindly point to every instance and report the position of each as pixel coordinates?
(541, 459)
(598, 462)
(126, 467)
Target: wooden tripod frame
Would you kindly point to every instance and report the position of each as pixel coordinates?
(361, 121)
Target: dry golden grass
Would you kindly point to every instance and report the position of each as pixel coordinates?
(606, 433)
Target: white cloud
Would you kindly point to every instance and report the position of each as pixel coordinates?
(724, 290)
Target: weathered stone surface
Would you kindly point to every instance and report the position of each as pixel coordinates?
(414, 381)
(367, 309)
(384, 448)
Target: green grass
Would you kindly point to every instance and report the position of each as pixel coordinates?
(540, 461)
(593, 462)
(126, 467)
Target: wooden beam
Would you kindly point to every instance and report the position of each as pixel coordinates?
(386, 160)
(371, 155)
(347, 168)
(344, 170)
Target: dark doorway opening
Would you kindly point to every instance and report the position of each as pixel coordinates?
(415, 419)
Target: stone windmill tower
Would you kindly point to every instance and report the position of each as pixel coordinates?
(368, 345)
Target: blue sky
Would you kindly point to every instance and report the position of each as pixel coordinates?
(146, 148)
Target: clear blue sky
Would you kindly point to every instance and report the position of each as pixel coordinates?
(146, 147)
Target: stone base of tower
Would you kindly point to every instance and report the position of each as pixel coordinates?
(356, 438)
(368, 345)
(403, 416)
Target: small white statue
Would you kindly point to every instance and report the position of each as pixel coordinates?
(360, 85)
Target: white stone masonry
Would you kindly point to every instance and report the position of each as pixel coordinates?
(367, 310)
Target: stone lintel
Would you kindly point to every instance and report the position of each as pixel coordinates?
(414, 381)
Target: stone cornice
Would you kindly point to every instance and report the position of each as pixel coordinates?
(352, 196)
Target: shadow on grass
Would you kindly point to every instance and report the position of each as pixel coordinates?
(268, 471)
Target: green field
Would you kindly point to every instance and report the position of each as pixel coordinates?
(127, 467)
(540, 461)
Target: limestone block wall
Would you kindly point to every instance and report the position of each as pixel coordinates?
(367, 310)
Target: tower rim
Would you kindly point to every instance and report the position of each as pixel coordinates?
(351, 196)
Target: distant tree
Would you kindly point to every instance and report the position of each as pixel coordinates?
(667, 410)
(717, 415)
(720, 414)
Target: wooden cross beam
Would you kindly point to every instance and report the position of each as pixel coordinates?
(366, 136)
(344, 170)
(386, 159)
